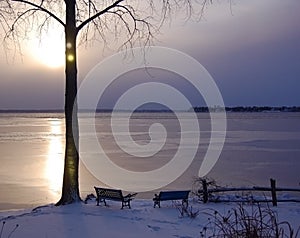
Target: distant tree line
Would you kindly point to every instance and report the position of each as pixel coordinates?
(249, 109)
(196, 109)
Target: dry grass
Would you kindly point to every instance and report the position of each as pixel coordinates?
(247, 222)
(10, 233)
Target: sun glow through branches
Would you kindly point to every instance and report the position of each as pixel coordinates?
(49, 48)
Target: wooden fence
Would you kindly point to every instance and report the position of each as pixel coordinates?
(205, 192)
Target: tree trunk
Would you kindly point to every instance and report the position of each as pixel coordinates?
(70, 188)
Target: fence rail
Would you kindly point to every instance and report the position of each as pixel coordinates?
(205, 192)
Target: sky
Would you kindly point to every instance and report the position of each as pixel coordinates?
(251, 49)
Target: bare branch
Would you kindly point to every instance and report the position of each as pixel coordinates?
(98, 14)
(112, 22)
(42, 9)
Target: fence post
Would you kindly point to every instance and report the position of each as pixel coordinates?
(205, 192)
(273, 191)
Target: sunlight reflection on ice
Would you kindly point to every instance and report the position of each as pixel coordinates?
(54, 165)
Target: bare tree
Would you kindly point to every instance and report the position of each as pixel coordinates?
(127, 22)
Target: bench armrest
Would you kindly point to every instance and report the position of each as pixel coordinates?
(130, 195)
(156, 197)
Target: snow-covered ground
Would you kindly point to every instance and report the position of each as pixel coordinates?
(88, 220)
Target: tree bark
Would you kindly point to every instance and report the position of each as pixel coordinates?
(70, 188)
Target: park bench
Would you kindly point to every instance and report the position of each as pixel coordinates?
(171, 195)
(113, 194)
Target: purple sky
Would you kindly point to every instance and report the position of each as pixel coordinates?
(252, 53)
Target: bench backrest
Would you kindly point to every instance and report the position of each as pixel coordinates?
(109, 193)
(170, 195)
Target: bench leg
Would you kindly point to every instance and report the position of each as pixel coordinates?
(156, 202)
(100, 200)
(185, 203)
(126, 204)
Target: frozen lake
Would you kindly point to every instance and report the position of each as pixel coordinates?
(258, 146)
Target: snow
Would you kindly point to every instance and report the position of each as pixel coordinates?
(142, 220)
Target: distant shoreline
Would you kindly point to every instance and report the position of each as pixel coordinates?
(195, 109)
(250, 109)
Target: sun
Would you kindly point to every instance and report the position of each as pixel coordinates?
(48, 49)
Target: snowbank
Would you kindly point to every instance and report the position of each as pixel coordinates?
(88, 220)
